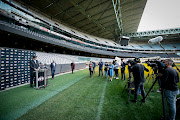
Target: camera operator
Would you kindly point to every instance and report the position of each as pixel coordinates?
(138, 73)
(169, 79)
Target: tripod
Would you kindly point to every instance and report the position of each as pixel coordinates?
(131, 86)
(163, 98)
(151, 76)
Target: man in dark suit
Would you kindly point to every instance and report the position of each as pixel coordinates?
(34, 65)
(53, 68)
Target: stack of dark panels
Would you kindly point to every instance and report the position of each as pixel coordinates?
(15, 67)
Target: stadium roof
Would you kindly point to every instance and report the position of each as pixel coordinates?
(103, 18)
(96, 17)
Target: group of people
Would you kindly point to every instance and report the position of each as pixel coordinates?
(109, 69)
(169, 79)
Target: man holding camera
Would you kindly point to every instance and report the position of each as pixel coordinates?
(138, 73)
(169, 79)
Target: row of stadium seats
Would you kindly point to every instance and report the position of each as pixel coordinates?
(64, 43)
(47, 58)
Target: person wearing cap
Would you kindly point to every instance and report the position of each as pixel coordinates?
(34, 65)
(139, 79)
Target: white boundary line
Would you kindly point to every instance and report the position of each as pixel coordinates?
(98, 117)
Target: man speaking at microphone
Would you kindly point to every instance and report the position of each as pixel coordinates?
(34, 65)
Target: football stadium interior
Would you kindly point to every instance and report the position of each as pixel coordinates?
(80, 31)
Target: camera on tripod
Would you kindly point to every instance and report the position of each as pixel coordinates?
(131, 62)
(156, 65)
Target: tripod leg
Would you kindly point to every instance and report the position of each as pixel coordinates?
(129, 95)
(150, 90)
(124, 88)
(164, 105)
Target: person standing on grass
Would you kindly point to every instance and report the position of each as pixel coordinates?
(130, 73)
(34, 66)
(139, 79)
(169, 79)
(72, 67)
(123, 65)
(53, 69)
(91, 65)
(111, 71)
(94, 66)
(100, 67)
(106, 69)
(116, 69)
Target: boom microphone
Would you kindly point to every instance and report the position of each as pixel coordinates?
(155, 40)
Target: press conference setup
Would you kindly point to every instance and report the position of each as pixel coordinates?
(89, 59)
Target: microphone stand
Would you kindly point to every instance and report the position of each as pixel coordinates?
(168, 56)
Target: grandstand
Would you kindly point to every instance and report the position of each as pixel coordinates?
(79, 31)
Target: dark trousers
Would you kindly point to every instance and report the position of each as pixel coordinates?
(130, 75)
(52, 72)
(91, 72)
(116, 72)
(141, 86)
(72, 71)
(32, 78)
(123, 76)
(100, 71)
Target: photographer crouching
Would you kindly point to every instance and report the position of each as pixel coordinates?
(138, 72)
(169, 79)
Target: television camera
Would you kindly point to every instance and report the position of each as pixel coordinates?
(131, 62)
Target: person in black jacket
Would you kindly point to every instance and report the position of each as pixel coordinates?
(139, 79)
(169, 79)
(34, 65)
(53, 68)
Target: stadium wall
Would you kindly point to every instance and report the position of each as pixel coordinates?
(62, 68)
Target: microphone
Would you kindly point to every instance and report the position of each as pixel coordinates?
(155, 40)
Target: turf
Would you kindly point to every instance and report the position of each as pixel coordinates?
(79, 97)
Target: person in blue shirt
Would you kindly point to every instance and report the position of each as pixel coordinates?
(123, 65)
(111, 71)
(100, 67)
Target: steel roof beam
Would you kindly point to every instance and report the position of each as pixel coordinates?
(117, 10)
(87, 9)
(99, 20)
(93, 16)
(154, 33)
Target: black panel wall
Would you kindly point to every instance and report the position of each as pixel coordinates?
(15, 68)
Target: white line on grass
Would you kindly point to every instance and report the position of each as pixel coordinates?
(98, 117)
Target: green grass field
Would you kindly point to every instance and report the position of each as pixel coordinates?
(78, 97)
